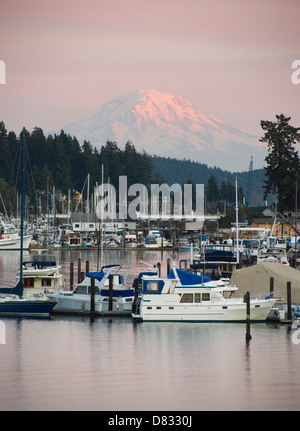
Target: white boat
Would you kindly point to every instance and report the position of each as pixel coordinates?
(130, 239)
(41, 275)
(79, 300)
(275, 254)
(155, 239)
(150, 242)
(183, 296)
(10, 237)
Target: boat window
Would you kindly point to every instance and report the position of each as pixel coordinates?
(149, 308)
(205, 296)
(128, 299)
(46, 282)
(81, 289)
(197, 297)
(28, 282)
(152, 286)
(187, 297)
(227, 293)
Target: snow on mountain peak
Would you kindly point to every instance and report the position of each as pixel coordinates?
(168, 125)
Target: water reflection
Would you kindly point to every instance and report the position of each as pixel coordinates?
(71, 363)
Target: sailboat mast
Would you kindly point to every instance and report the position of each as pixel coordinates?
(22, 208)
(237, 221)
(102, 209)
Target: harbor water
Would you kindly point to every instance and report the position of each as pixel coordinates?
(114, 364)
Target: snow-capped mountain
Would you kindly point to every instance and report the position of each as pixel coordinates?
(168, 125)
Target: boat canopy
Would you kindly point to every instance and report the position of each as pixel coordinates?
(99, 275)
(188, 278)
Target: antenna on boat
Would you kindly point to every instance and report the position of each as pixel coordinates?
(102, 181)
(237, 220)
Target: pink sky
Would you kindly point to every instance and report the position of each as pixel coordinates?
(231, 59)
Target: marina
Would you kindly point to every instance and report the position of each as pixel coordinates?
(123, 359)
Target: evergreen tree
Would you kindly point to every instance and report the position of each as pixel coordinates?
(110, 157)
(212, 189)
(283, 163)
(131, 167)
(5, 154)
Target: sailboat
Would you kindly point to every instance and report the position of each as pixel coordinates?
(12, 302)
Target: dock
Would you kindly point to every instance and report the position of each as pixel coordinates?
(104, 313)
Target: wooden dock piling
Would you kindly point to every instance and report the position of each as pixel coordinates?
(271, 287)
(71, 275)
(136, 288)
(79, 270)
(92, 307)
(110, 298)
(289, 300)
(247, 301)
(168, 265)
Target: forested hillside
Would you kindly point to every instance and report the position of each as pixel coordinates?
(60, 161)
(181, 171)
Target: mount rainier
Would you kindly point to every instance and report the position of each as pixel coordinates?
(168, 125)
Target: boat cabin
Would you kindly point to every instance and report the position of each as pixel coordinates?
(191, 287)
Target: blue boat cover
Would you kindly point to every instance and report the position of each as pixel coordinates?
(187, 278)
(125, 293)
(99, 275)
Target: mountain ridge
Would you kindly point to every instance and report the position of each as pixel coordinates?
(180, 171)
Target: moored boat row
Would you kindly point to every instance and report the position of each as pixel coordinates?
(197, 294)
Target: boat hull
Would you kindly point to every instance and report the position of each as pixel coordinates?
(157, 311)
(82, 303)
(23, 307)
(14, 243)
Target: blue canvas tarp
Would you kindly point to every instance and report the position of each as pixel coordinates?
(187, 278)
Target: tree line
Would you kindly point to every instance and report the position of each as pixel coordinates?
(60, 161)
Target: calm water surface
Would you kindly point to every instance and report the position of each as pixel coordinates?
(72, 363)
